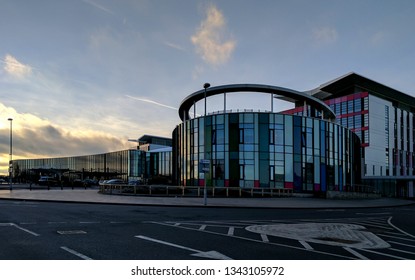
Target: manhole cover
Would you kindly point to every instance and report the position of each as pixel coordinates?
(336, 234)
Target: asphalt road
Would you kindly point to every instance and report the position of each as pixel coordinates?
(71, 231)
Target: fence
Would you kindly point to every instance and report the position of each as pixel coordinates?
(194, 190)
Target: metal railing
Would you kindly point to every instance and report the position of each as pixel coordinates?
(194, 191)
(360, 189)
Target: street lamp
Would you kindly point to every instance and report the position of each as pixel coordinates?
(11, 153)
(205, 86)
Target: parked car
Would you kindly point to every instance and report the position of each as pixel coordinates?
(47, 181)
(135, 182)
(115, 182)
(90, 182)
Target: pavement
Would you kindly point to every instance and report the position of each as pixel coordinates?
(93, 196)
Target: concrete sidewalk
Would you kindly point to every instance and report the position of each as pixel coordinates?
(93, 196)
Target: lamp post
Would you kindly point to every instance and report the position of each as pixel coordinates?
(205, 86)
(11, 154)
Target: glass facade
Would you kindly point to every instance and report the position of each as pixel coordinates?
(352, 111)
(266, 150)
(126, 165)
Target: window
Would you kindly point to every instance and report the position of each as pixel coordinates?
(213, 136)
(386, 126)
(358, 121)
(241, 135)
(303, 139)
(344, 108)
(248, 136)
(366, 120)
(271, 136)
(218, 169)
(337, 109)
(241, 172)
(350, 122)
(220, 136)
(350, 106)
(366, 136)
(279, 137)
(366, 103)
(357, 105)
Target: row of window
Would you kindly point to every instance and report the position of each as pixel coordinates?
(270, 150)
(122, 164)
(404, 126)
(349, 106)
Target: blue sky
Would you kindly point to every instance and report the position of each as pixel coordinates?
(83, 76)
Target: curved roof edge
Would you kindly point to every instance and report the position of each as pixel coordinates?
(188, 102)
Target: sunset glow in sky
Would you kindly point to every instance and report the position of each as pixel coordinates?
(84, 76)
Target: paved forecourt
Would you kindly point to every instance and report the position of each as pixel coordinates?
(93, 196)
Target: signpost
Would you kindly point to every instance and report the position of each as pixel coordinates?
(204, 167)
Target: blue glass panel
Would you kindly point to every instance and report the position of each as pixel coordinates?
(288, 130)
(297, 176)
(323, 177)
(297, 140)
(289, 173)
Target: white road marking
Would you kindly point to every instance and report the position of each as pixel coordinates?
(395, 233)
(232, 223)
(71, 232)
(401, 238)
(259, 241)
(377, 223)
(25, 230)
(402, 251)
(331, 210)
(353, 252)
(306, 245)
(383, 254)
(398, 229)
(368, 214)
(89, 222)
(231, 231)
(5, 224)
(82, 256)
(264, 238)
(402, 244)
(198, 253)
(335, 234)
(371, 225)
(198, 224)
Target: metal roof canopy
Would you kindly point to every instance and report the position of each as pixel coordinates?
(333, 88)
(189, 101)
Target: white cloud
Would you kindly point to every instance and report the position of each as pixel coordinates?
(174, 46)
(98, 6)
(15, 68)
(34, 137)
(208, 39)
(325, 35)
(151, 102)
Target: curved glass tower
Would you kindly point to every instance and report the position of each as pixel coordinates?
(265, 149)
